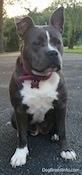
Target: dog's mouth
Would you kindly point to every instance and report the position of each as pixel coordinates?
(47, 71)
(53, 68)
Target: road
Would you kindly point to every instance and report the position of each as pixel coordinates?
(44, 155)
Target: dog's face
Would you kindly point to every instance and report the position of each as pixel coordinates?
(43, 46)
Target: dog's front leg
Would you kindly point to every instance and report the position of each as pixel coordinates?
(66, 151)
(19, 157)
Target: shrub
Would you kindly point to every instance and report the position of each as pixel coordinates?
(11, 40)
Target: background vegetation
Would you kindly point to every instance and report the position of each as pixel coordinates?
(72, 35)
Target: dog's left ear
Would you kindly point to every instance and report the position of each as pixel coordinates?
(57, 19)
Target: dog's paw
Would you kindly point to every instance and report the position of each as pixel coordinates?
(19, 157)
(71, 155)
(55, 137)
(35, 133)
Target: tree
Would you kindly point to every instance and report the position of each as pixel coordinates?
(73, 20)
(1, 26)
(41, 18)
(11, 40)
(2, 13)
(74, 23)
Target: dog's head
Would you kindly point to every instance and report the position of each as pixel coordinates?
(43, 47)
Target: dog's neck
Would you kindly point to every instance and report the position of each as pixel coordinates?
(35, 79)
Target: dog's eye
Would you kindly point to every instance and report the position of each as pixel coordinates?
(56, 41)
(36, 43)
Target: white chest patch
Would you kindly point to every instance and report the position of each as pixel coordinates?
(40, 100)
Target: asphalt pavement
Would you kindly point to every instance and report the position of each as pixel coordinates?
(44, 155)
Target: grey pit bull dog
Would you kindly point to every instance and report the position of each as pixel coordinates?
(37, 88)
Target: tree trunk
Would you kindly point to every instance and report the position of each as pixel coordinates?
(1, 26)
(71, 40)
(70, 44)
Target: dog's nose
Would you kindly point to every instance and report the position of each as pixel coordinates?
(53, 58)
(52, 54)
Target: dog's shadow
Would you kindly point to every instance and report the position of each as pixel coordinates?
(42, 145)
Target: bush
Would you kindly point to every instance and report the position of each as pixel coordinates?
(11, 40)
(65, 41)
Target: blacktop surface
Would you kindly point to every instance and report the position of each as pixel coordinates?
(44, 155)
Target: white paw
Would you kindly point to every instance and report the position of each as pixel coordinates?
(36, 133)
(19, 157)
(68, 155)
(55, 137)
(8, 123)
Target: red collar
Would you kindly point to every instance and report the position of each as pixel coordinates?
(35, 79)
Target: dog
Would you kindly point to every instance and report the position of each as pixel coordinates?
(37, 88)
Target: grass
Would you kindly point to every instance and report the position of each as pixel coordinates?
(76, 49)
(9, 53)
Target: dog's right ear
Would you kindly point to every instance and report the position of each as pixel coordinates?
(23, 25)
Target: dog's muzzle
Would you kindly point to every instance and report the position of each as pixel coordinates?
(53, 56)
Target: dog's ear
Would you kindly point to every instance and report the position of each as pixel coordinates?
(57, 19)
(23, 25)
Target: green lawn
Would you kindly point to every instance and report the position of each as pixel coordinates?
(76, 49)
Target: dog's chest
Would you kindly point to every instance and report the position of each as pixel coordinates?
(40, 100)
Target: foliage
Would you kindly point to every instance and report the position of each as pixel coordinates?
(76, 49)
(73, 23)
(41, 18)
(11, 41)
(73, 20)
(1, 25)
